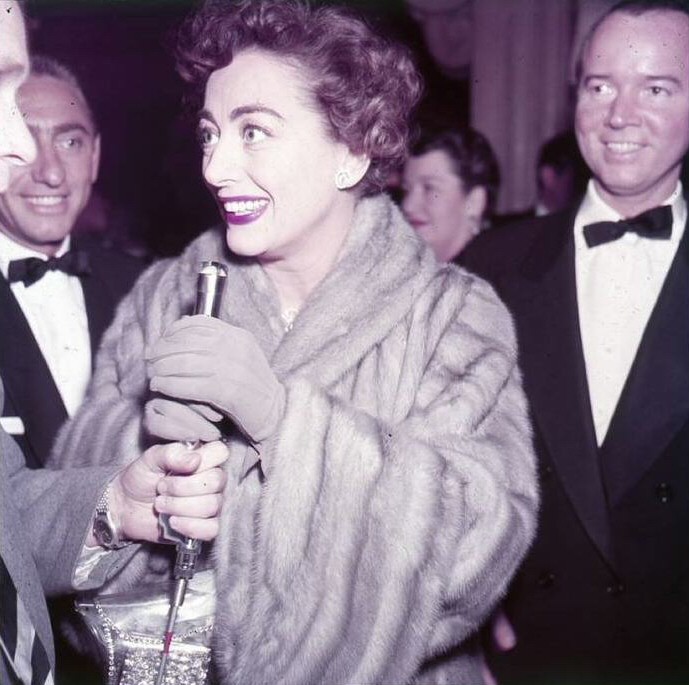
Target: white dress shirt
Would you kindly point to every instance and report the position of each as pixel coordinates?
(618, 284)
(56, 312)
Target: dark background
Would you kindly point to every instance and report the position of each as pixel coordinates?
(150, 185)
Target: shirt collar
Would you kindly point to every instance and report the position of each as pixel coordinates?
(10, 250)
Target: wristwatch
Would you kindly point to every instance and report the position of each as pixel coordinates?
(104, 529)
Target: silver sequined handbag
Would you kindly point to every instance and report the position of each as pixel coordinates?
(129, 628)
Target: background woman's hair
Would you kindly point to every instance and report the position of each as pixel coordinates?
(471, 156)
(365, 85)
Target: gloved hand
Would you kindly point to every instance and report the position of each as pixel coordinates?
(181, 422)
(202, 359)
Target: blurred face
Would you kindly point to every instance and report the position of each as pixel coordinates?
(270, 162)
(16, 145)
(44, 199)
(632, 115)
(448, 29)
(556, 187)
(436, 205)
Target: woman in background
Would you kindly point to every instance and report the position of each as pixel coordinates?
(450, 184)
(381, 487)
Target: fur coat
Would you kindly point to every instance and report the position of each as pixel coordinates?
(395, 502)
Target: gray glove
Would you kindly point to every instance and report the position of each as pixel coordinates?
(202, 359)
(180, 422)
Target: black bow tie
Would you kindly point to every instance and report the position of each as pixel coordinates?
(32, 269)
(656, 223)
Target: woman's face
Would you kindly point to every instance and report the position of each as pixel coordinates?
(436, 205)
(270, 162)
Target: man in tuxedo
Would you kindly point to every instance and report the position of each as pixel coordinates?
(57, 292)
(600, 296)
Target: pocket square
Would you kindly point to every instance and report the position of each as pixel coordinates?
(12, 424)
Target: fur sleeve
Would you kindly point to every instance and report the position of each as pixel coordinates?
(474, 390)
(383, 539)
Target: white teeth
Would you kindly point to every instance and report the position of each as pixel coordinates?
(46, 200)
(244, 206)
(623, 147)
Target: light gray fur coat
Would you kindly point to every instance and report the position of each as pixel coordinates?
(398, 496)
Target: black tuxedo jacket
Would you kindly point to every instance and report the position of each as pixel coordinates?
(30, 392)
(603, 596)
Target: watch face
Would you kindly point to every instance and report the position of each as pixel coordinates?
(102, 531)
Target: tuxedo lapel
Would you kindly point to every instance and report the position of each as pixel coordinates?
(29, 385)
(555, 374)
(99, 307)
(654, 404)
(112, 276)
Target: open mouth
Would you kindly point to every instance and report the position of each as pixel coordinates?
(45, 200)
(244, 211)
(623, 148)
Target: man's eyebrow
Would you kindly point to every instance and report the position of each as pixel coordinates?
(646, 77)
(664, 77)
(589, 76)
(68, 127)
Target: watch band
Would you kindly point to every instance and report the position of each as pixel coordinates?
(104, 528)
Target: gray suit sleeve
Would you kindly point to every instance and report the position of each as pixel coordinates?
(56, 510)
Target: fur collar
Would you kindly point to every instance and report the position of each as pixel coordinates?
(335, 322)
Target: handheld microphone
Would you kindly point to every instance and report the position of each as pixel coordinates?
(209, 290)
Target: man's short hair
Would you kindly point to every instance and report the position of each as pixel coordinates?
(633, 7)
(45, 65)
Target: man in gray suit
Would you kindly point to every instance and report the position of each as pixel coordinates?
(53, 522)
(46, 520)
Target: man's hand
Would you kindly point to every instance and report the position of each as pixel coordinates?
(170, 479)
(503, 638)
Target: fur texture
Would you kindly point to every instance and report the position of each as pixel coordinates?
(395, 502)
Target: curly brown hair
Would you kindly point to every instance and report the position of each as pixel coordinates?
(365, 85)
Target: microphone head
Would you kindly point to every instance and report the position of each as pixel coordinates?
(209, 288)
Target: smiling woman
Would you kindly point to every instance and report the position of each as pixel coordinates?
(450, 184)
(259, 133)
(381, 489)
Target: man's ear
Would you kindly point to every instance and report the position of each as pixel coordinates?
(476, 201)
(95, 158)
